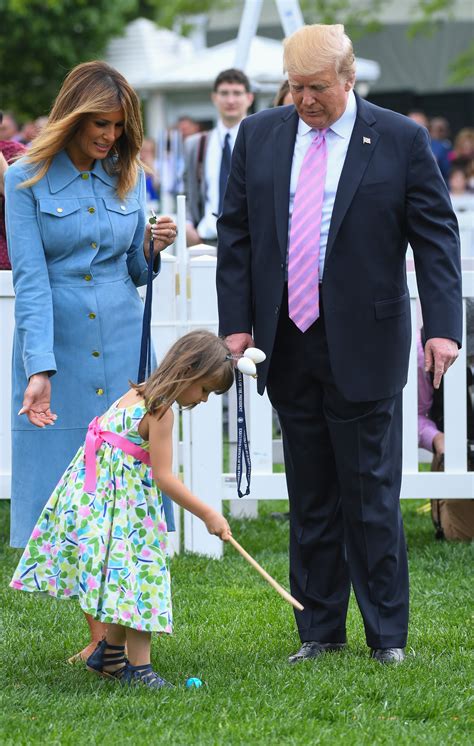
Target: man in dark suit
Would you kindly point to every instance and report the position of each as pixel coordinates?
(321, 202)
(207, 156)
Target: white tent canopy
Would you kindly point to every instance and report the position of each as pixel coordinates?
(145, 51)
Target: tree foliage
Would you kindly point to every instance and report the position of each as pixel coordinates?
(166, 12)
(41, 40)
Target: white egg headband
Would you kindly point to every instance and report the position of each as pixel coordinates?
(248, 361)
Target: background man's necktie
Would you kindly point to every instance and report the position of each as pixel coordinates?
(303, 253)
(224, 171)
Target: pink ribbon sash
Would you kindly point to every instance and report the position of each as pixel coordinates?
(95, 436)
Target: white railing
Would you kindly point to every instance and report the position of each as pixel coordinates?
(185, 298)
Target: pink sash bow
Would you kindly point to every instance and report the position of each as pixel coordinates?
(95, 436)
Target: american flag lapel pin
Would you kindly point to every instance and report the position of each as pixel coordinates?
(366, 141)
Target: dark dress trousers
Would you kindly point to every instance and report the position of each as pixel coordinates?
(337, 387)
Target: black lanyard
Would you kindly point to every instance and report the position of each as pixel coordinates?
(144, 367)
(242, 440)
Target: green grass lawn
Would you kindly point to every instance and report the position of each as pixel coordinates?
(235, 633)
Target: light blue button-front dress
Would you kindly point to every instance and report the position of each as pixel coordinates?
(77, 257)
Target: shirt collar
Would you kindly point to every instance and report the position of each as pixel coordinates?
(342, 126)
(62, 172)
(223, 131)
(102, 174)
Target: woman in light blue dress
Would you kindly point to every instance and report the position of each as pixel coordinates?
(78, 242)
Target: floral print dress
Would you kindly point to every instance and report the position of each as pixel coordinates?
(107, 548)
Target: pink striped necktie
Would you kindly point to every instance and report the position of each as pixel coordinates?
(303, 253)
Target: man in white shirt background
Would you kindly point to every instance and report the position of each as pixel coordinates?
(207, 156)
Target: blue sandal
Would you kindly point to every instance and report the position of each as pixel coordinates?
(100, 661)
(143, 675)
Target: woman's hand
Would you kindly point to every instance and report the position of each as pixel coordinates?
(37, 401)
(216, 524)
(163, 233)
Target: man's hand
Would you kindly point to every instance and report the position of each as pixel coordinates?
(238, 343)
(163, 233)
(440, 354)
(37, 401)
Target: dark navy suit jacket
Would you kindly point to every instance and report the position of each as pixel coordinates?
(390, 193)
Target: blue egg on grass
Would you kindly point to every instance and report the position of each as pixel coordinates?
(193, 683)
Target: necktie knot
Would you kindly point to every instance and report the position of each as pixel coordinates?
(318, 136)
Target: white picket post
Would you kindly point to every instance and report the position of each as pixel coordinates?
(454, 401)
(7, 325)
(206, 421)
(410, 392)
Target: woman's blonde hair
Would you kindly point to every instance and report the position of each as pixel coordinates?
(92, 88)
(197, 355)
(315, 48)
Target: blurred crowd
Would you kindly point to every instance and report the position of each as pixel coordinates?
(455, 157)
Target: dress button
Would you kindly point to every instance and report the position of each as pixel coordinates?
(59, 209)
(93, 245)
(84, 176)
(99, 392)
(91, 210)
(92, 315)
(87, 278)
(96, 353)
(122, 207)
(277, 310)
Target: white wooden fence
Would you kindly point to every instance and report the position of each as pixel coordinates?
(185, 299)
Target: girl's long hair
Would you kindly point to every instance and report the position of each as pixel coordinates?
(197, 355)
(92, 88)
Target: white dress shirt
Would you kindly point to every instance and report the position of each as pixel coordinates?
(337, 142)
(207, 226)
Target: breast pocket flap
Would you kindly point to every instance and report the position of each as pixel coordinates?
(384, 309)
(59, 208)
(125, 207)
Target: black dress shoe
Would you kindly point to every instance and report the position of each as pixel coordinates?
(388, 655)
(313, 649)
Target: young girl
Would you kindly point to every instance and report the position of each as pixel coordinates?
(102, 535)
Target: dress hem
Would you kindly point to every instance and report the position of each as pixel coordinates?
(92, 612)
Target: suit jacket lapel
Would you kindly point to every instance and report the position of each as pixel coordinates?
(361, 146)
(284, 135)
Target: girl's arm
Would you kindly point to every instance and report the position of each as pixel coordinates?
(161, 453)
